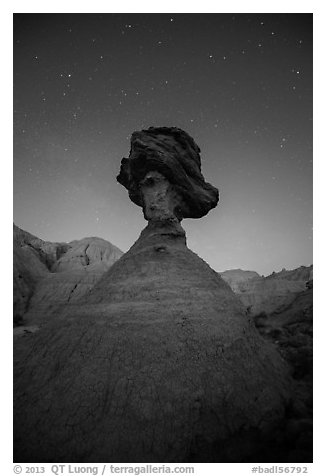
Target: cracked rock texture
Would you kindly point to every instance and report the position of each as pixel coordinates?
(159, 362)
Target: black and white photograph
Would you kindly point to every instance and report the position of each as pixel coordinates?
(162, 239)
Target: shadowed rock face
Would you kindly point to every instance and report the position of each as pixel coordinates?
(170, 153)
(159, 362)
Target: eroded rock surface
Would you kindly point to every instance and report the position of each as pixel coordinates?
(290, 328)
(237, 279)
(32, 259)
(271, 293)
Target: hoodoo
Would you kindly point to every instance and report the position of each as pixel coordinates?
(159, 362)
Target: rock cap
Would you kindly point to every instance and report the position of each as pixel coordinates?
(174, 156)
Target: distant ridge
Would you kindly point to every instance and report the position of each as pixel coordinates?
(50, 273)
(270, 293)
(236, 277)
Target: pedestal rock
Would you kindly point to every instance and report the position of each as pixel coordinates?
(159, 362)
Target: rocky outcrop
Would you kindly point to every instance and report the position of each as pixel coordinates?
(267, 294)
(88, 252)
(32, 259)
(47, 252)
(48, 274)
(237, 278)
(301, 274)
(290, 328)
(27, 272)
(159, 362)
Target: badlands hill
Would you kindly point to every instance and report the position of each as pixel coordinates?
(291, 327)
(268, 294)
(282, 307)
(236, 278)
(47, 274)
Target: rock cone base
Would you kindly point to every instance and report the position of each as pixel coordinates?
(159, 363)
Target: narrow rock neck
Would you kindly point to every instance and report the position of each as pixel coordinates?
(161, 235)
(160, 200)
(161, 208)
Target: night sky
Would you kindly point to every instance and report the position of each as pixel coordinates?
(239, 84)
